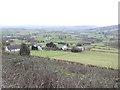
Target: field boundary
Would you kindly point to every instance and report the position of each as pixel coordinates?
(66, 61)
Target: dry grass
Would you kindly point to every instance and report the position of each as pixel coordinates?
(37, 72)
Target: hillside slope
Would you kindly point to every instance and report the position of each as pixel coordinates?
(36, 72)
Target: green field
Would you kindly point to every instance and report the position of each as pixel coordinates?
(102, 59)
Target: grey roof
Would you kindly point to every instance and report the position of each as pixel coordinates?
(87, 42)
(11, 47)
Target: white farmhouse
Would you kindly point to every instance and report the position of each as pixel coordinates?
(12, 48)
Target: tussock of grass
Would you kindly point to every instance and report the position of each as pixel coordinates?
(37, 72)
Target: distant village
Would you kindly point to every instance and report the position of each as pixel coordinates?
(49, 46)
(34, 45)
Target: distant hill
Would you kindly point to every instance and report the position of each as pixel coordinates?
(54, 28)
(113, 29)
(84, 28)
(106, 28)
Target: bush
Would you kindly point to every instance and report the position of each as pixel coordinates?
(51, 45)
(3, 48)
(24, 50)
(68, 45)
(4, 43)
(79, 44)
(75, 49)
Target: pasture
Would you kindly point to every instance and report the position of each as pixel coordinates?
(102, 59)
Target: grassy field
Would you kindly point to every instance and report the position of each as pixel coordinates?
(16, 40)
(49, 53)
(105, 50)
(102, 59)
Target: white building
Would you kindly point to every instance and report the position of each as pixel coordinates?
(82, 48)
(12, 48)
(36, 47)
(39, 48)
(64, 48)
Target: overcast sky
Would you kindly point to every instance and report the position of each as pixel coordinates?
(59, 12)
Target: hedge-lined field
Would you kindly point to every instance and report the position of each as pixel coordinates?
(102, 59)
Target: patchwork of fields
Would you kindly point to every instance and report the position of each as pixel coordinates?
(102, 59)
(60, 69)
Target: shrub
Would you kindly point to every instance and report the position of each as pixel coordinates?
(51, 45)
(5, 43)
(67, 45)
(3, 48)
(24, 50)
(79, 44)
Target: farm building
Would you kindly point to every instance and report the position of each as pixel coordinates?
(48, 38)
(64, 48)
(82, 48)
(77, 49)
(12, 48)
(87, 43)
(36, 47)
(39, 48)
